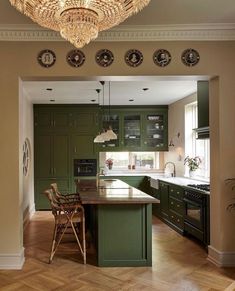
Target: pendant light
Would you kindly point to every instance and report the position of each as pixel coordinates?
(99, 138)
(110, 133)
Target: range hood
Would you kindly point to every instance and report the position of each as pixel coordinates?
(203, 110)
(202, 132)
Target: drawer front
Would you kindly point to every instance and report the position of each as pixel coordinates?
(176, 205)
(176, 192)
(176, 219)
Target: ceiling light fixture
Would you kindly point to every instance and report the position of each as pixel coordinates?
(79, 21)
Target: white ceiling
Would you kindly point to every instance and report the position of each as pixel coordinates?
(82, 92)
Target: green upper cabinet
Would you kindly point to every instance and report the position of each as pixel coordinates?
(132, 131)
(137, 128)
(48, 119)
(82, 146)
(155, 131)
(85, 120)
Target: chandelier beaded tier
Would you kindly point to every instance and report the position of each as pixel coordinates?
(79, 21)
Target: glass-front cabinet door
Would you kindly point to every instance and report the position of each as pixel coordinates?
(155, 131)
(132, 130)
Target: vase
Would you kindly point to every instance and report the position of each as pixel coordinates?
(110, 167)
(191, 173)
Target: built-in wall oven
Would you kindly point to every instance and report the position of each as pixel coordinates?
(85, 167)
(196, 218)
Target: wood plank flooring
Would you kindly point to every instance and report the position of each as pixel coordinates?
(179, 264)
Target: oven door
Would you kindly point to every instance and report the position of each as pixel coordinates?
(194, 213)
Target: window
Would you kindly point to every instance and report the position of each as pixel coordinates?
(196, 147)
(133, 160)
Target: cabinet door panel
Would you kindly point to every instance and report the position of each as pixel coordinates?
(60, 155)
(43, 119)
(61, 120)
(164, 199)
(85, 122)
(83, 146)
(43, 158)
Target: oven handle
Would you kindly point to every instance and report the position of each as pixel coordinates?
(192, 202)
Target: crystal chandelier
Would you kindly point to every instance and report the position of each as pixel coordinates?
(79, 21)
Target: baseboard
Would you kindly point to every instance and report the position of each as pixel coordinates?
(12, 261)
(221, 259)
(28, 213)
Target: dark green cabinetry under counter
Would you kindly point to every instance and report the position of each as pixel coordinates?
(171, 205)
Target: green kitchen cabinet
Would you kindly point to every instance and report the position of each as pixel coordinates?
(52, 163)
(48, 119)
(176, 207)
(85, 120)
(137, 129)
(164, 200)
(131, 131)
(82, 146)
(155, 131)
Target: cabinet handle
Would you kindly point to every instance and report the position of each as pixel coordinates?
(172, 203)
(172, 216)
(178, 220)
(145, 142)
(178, 205)
(54, 123)
(75, 149)
(178, 192)
(172, 190)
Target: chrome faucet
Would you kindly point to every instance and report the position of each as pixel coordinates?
(171, 163)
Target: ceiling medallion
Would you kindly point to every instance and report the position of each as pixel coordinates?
(190, 57)
(134, 58)
(79, 21)
(162, 57)
(104, 58)
(46, 58)
(76, 58)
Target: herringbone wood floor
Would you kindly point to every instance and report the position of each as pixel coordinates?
(179, 264)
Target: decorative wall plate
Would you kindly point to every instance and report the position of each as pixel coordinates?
(26, 157)
(134, 58)
(104, 58)
(190, 57)
(162, 57)
(46, 58)
(76, 58)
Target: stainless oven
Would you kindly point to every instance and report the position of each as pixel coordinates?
(85, 167)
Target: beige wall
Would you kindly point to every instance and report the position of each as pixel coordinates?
(176, 124)
(216, 59)
(26, 126)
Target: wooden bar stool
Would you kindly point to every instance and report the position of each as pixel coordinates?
(67, 215)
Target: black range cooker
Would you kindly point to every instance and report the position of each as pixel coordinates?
(197, 215)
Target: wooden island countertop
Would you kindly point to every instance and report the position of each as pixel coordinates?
(115, 192)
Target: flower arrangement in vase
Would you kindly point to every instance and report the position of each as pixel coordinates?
(193, 164)
(109, 163)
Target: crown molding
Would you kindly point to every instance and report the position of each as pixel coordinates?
(193, 32)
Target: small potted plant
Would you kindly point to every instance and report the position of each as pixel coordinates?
(193, 164)
(109, 163)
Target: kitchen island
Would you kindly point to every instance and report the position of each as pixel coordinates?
(120, 223)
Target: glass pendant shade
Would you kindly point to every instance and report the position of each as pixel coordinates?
(79, 21)
(98, 139)
(111, 134)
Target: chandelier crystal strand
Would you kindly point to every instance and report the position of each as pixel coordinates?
(79, 21)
